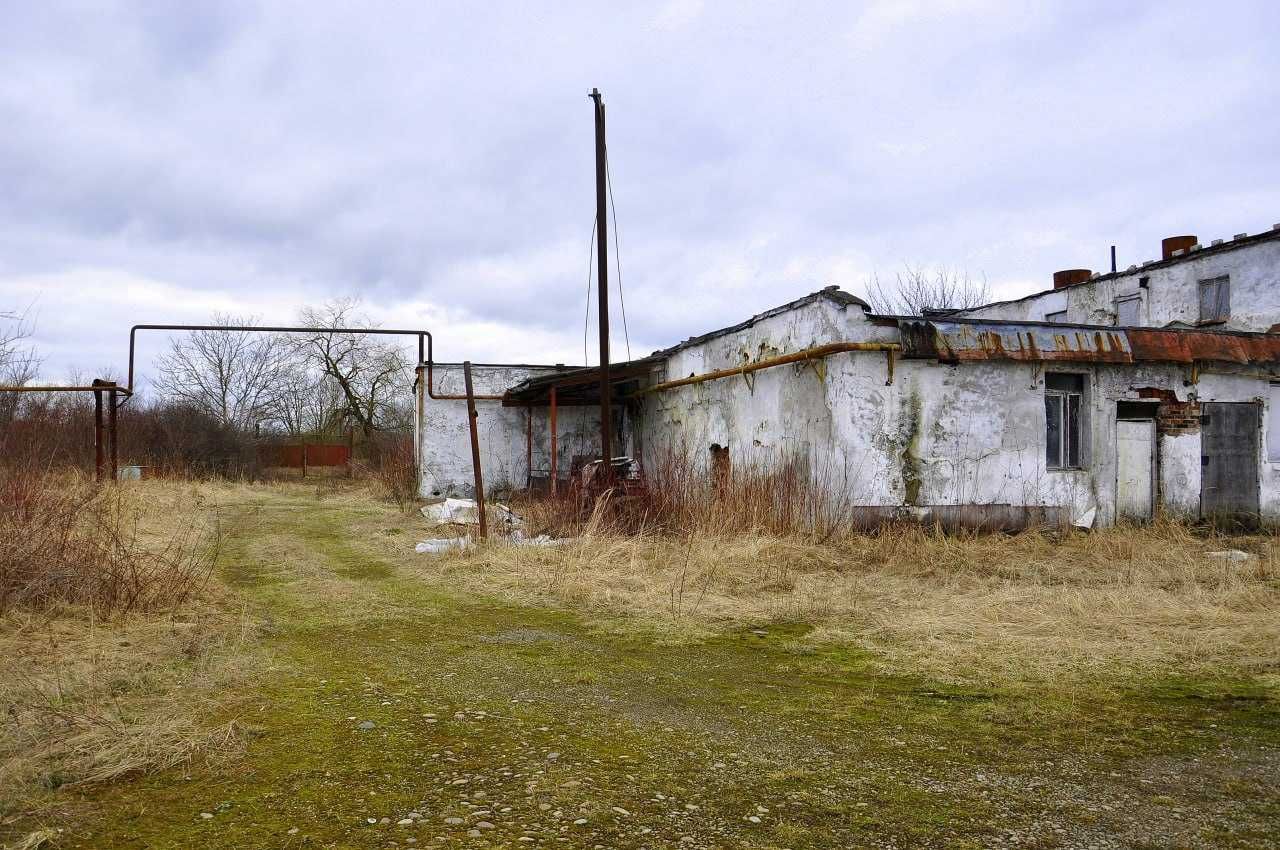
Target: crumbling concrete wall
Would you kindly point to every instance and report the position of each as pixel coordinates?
(971, 434)
(444, 441)
(1169, 292)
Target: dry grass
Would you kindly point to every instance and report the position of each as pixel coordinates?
(1027, 607)
(115, 665)
(64, 539)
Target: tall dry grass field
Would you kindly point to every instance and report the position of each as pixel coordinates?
(105, 617)
(700, 552)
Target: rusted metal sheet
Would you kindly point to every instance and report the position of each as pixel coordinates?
(953, 341)
(1190, 346)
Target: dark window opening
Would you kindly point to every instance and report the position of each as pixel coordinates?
(1063, 418)
(1215, 299)
(1136, 410)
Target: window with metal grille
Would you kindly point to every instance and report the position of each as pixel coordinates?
(1215, 299)
(1063, 420)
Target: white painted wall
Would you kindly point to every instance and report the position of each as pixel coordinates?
(444, 441)
(969, 434)
(1171, 294)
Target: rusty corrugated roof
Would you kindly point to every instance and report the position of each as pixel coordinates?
(959, 339)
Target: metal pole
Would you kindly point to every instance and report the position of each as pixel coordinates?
(114, 431)
(304, 458)
(1113, 259)
(554, 463)
(97, 431)
(528, 447)
(475, 448)
(602, 254)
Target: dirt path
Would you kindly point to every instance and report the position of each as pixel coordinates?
(402, 712)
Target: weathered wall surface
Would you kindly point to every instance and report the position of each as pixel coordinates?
(444, 441)
(1171, 295)
(939, 435)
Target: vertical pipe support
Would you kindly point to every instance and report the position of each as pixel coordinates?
(97, 431)
(475, 448)
(554, 452)
(113, 431)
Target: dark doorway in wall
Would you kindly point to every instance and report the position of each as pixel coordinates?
(1229, 460)
(720, 466)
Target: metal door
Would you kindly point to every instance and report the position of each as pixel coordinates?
(1229, 459)
(1135, 469)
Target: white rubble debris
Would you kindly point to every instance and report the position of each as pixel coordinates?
(467, 512)
(443, 544)
(1233, 555)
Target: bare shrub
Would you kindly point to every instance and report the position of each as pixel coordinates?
(918, 289)
(393, 467)
(64, 540)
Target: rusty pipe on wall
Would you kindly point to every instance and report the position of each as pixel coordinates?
(447, 397)
(816, 353)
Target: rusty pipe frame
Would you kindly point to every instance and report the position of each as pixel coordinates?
(431, 393)
(808, 354)
(423, 347)
(35, 388)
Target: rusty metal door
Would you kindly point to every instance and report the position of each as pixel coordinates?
(1135, 468)
(1229, 459)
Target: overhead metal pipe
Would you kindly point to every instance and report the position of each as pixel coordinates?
(424, 337)
(448, 396)
(815, 353)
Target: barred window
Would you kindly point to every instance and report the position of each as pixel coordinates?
(1063, 420)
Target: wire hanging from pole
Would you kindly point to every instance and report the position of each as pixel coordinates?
(617, 254)
(586, 317)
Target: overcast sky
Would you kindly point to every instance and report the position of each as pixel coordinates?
(162, 161)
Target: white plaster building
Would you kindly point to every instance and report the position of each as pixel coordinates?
(1006, 415)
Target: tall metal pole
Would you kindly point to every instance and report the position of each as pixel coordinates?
(555, 471)
(475, 448)
(602, 253)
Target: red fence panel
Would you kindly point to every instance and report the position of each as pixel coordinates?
(328, 454)
(303, 455)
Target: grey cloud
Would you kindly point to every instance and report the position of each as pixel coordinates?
(442, 155)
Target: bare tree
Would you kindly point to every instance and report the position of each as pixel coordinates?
(230, 375)
(370, 375)
(917, 289)
(18, 360)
